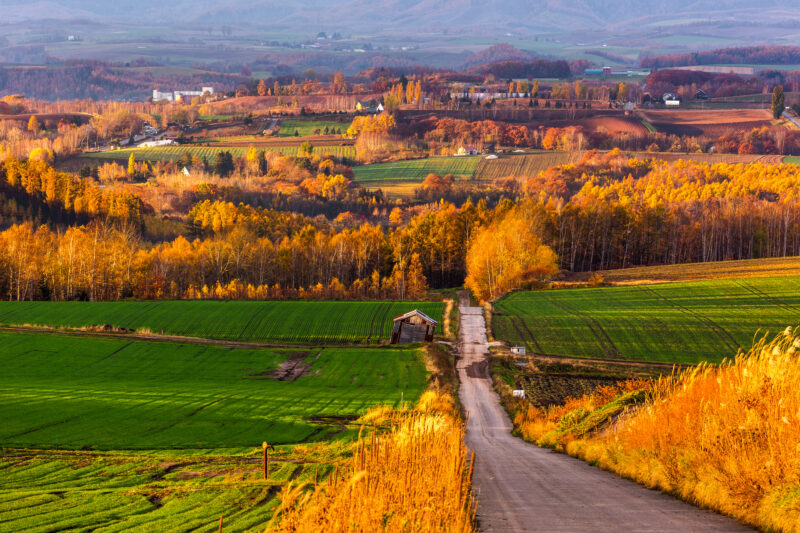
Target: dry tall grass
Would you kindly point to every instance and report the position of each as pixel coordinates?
(415, 477)
(726, 437)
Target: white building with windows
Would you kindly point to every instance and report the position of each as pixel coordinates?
(174, 96)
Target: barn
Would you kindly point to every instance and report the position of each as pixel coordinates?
(414, 326)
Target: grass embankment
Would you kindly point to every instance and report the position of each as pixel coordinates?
(673, 323)
(724, 437)
(290, 322)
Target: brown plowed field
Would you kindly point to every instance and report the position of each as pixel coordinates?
(709, 123)
(617, 124)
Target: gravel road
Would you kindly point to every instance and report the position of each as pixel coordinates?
(521, 487)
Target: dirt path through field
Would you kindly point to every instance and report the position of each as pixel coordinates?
(149, 337)
(521, 487)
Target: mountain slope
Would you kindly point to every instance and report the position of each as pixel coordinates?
(420, 15)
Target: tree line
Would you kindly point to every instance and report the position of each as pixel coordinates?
(752, 55)
(607, 211)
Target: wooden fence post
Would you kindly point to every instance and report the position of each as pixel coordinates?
(266, 447)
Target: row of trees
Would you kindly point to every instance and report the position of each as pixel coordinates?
(100, 263)
(610, 211)
(38, 183)
(749, 55)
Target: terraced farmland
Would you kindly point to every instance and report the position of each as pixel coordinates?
(414, 170)
(523, 165)
(163, 153)
(675, 322)
(81, 392)
(293, 322)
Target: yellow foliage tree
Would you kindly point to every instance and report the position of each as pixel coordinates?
(41, 154)
(505, 255)
(33, 124)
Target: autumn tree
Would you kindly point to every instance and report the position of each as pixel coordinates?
(505, 255)
(622, 91)
(778, 104)
(262, 88)
(391, 103)
(306, 149)
(339, 84)
(131, 165)
(33, 124)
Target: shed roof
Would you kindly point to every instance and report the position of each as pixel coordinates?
(418, 313)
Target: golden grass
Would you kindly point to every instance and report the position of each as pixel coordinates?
(726, 437)
(448, 308)
(414, 477)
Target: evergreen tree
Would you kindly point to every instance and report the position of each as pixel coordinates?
(224, 163)
(778, 104)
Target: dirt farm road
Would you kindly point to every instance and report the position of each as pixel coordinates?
(521, 487)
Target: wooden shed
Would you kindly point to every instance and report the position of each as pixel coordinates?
(414, 326)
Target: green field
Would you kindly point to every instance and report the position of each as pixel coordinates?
(293, 322)
(80, 392)
(105, 434)
(792, 159)
(414, 170)
(674, 322)
(171, 153)
(305, 128)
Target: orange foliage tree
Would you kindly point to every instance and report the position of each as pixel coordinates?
(505, 255)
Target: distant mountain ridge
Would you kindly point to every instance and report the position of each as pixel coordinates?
(394, 15)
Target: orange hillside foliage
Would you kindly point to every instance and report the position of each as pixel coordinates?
(725, 437)
(415, 478)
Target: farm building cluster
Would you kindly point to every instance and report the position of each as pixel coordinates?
(176, 96)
